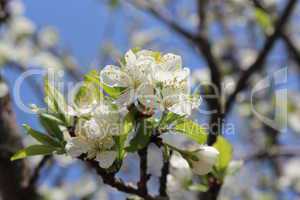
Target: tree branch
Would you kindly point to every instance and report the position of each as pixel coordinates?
(163, 177)
(144, 177)
(36, 173)
(274, 152)
(110, 179)
(290, 45)
(259, 62)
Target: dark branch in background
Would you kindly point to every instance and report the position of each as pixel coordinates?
(202, 4)
(14, 175)
(163, 177)
(164, 19)
(274, 152)
(144, 177)
(259, 62)
(290, 45)
(202, 43)
(36, 172)
(231, 55)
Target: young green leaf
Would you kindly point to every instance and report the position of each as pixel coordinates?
(198, 187)
(225, 149)
(34, 150)
(88, 93)
(263, 19)
(142, 137)
(51, 124)
(113, 92)
(56, 102)
(42, 138)
(120, 140)
(191, 130)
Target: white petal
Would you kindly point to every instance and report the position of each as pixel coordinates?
(126, 98)
(76, 146)
(114, 77)
(185, 105)
(130, 58)
(146, 96)
(172, 62)
(207, 156)
(93, 130)
(106, 158)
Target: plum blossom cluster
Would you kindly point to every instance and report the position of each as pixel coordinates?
(149, 82)
(153, 80)
(122, 109)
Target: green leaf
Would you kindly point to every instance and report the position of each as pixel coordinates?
(33, 150)
(263, 19)
(198, 187)
(114, 3)
(51, 124)
(225, 149)
(42, 138)
(88, 93)
(113, 92)
(56, 102)
(120, 140)
(191, 130)
(169, 118)
(142, 137)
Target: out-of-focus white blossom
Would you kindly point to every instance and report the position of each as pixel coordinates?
(206, 158)
(3, 89)
(247, 57)
(201, 76)
(143, 38)
(46, 60)
(16, 8)
(294, 121)
(20, 26)
(291, 174)
(48, 37)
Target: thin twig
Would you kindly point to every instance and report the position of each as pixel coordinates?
(36, 173)
(259, 62)
(110, 179)
(290, 45)
(144, 177)
(163, 177)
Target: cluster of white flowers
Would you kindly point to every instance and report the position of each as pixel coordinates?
(150, 81)
(155, 80)
(94, 137)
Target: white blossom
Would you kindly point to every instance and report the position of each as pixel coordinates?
(20, 26)
(94, 137)
(155, 80)
(206, 158)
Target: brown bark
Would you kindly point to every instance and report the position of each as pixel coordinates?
(13, 175)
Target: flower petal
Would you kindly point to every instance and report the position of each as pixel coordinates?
(76, 146)
(106, 158)
(172, 62)
(147, 97)
(93, 130)
(114, 77)
(207, 157)
(130, 57)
